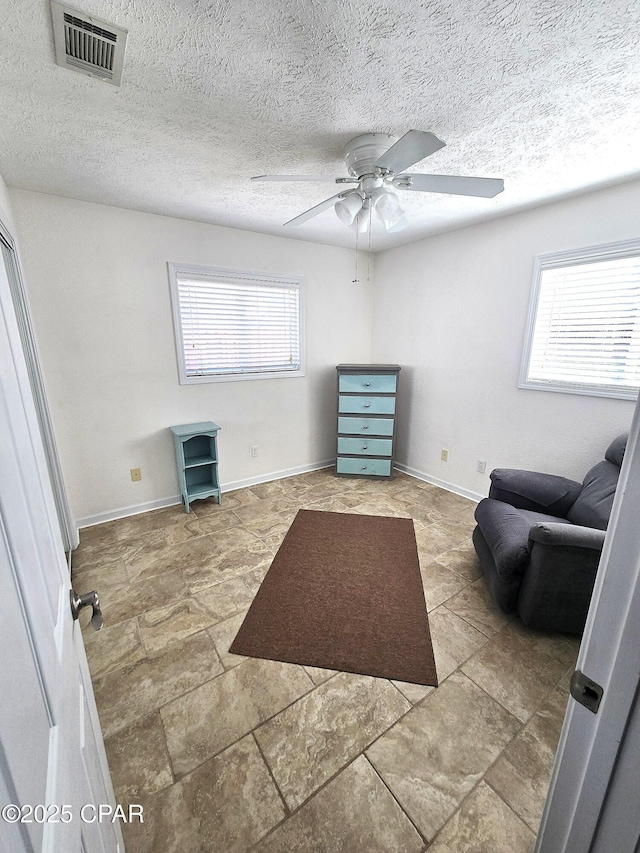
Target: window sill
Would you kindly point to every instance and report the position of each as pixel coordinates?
(583, 390)
(239, 377)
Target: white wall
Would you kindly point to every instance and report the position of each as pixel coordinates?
(6, 215)
(98, 286)
(452, 311)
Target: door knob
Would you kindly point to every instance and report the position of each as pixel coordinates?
(89, 599)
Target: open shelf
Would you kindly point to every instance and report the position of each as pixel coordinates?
(194, 461)
(198, 488)
(197, 460)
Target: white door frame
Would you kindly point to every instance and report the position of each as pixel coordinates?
(592, 762)
(51, 748)
(68, 527)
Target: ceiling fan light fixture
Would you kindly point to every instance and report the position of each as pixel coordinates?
(377, 196)
(389, 210)
(349, 207)
(388, 204)
(398, 225)
(362, 219)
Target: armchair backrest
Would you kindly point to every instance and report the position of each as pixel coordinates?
(592, 507)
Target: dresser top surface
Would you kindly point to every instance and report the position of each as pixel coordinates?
(370, 368)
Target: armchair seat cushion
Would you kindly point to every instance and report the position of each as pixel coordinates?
(541, 517)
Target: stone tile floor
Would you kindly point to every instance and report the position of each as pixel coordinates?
(228, 753)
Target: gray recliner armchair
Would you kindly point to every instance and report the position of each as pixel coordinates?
(539, 538)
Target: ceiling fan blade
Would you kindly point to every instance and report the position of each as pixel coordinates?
(453, 184)
(414, 146)
(314, 211)
(294, 178)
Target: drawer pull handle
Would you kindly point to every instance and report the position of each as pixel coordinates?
(365, 427)
(367, 384)
(367, 405)
(365, 446)
(364, 467)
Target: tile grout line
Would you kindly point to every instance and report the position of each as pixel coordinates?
(466, 621)
(287, 810)
(250, 731)
(483, 777)
(393, 796)
(176, 601)
(268, 719)
(510, 807)
(537, 707)
(522, 726)
(313, 795)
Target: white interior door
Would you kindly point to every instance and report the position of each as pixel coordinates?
(592, 802)
(52, 760)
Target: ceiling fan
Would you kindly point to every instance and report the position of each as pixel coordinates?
(376, 163)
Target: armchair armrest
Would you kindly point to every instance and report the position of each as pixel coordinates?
(556, 587)
(546, 493)
(567, 535)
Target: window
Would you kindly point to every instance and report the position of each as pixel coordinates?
(235, 325)
(583, 333)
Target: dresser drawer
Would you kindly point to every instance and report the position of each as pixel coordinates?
(366, 467)
(366, 426)
(367, 405)
(365, 447)
(368, 383)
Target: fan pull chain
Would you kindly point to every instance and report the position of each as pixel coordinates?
(369, 247)
(355, 280)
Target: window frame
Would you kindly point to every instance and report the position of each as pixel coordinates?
(591, 254)
(241, 277)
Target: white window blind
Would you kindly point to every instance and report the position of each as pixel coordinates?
(234, 325)
(585, 334)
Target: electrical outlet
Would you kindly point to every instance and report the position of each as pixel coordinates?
(136, 474)
(254, 451)
(482, 466)
(444, 455)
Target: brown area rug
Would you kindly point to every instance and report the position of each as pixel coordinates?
(344, 592)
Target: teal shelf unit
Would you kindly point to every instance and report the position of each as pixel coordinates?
(196, 447)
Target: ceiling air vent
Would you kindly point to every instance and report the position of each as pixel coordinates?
(87, 44)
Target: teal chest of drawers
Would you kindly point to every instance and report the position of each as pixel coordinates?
(366, 419)
(196, 447)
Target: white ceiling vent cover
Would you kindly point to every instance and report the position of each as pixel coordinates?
(88, 44)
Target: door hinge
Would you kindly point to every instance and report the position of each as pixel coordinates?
(585, 691)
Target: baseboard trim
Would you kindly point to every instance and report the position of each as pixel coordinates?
(125, 511)
(277, 475)
(138, 509)
(436, 481)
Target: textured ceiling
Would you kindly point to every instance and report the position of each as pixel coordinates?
(543, 93)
